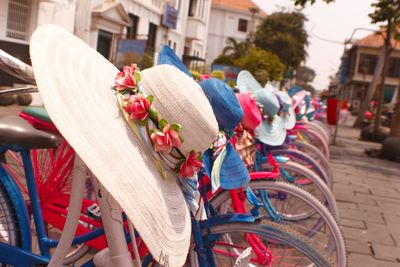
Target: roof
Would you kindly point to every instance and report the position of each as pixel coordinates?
(375, 40)
(242, 5)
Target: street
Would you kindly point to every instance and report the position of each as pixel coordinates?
(368, 195)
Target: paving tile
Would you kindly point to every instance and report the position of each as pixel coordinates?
(377, 236)
(362, 260)
(386, 252)
(358, 247)
(352, 223)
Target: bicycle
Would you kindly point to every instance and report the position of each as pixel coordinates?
(33, 258)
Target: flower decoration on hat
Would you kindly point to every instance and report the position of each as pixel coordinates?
(164, 136)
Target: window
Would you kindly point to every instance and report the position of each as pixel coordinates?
(242, 25)
(18, 19)
(104, 43)
(192, 8)
(175, 46)
(132, 30)
(393, 68)
(367, 64)
(151, 40)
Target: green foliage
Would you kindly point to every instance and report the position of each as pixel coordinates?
(385, 10)
(304, 2)
(223, 60)
(283, 34)
(219, 74)
(264, 65)
(233, 50)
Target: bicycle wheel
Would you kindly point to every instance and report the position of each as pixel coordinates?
(278, 245)
(305, 160)
(316, 154)
(272, 245)
(315, 139)
(299, 175)
(296, 208)
(317, 128)
(10, 232)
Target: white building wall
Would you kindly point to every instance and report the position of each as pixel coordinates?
(223, 23)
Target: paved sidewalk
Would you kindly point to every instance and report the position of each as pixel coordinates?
(368, 195)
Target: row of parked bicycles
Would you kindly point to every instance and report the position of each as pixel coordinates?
(259, 194)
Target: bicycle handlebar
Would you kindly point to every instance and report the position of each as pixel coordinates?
(16, 67)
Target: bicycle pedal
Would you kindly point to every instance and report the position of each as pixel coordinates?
(93, 211)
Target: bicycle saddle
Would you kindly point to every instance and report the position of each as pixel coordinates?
(17, 132)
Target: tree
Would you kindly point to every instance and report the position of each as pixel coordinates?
(283, 34)
(304, 2)
(264, 65)
(233, 50)
(387, 12)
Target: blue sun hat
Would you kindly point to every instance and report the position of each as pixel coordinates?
(169, 57)
(271, 131)
(286, 112)
(246, 82)
(233, 173)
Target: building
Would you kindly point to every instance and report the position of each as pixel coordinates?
(110, 26)
(362, 60)
(230, 18)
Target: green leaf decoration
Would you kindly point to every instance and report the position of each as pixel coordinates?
(154, 130)
(162, 123)
(176, 127)
(141, 123)
(136, 75)
(152, 113)
(150, 98)
(182, 140)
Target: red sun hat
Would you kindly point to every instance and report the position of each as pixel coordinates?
(251, 113)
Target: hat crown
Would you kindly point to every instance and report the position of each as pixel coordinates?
(223, 101)
(179, 99)
(246, 82)
(268, 100)
(252, 116)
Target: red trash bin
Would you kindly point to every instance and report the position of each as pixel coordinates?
(331, 110)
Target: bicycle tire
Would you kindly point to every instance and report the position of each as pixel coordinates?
(324, 195)
(315, 139)
(317, 128)
(305, 159)
(266, 229)
(334, 241)
(276, 232)
(9, 220)
(316, 154)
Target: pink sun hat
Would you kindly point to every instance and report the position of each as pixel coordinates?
(251, 113)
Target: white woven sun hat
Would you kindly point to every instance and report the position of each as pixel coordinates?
(75, 85)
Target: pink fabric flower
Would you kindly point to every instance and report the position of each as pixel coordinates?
(125, 78)
(165, 140)
(138, 107)
(191, 165)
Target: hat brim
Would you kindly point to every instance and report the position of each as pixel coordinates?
(75, 85)
(271, 133)
(234, 173)
(289, 119)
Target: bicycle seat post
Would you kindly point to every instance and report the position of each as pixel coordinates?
(117, 253)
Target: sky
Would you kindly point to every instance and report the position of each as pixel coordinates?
(335, 22)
